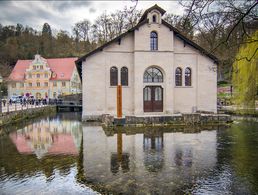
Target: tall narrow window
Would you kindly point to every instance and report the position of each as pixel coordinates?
(188, 77)
(124, 76)
(154, 20)
(153, 40)
(158, 94)
(178, 76)
(113, 76)
(147, 94)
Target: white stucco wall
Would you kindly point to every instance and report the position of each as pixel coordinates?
(207, 84)
(93, 84)
(134, 53)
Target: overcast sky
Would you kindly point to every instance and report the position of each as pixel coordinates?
(64, 14)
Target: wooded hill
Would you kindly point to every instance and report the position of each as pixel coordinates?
(219, 27)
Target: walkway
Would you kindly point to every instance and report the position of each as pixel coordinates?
(18, 106)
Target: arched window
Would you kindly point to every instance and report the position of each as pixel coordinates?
(153, 75)
(124, 76)
(188, 77)
(113, 76)
(153, 40)
(178, 76)
(154, 19)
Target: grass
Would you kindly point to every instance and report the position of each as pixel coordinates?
(224, 95)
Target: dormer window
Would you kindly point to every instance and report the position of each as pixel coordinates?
(154, 18)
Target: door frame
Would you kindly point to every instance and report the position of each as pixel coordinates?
(153, 87)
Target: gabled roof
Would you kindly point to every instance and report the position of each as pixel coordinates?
(142, 21)
(63, 67)
(19, 69)
(178, 34)
(112, 41)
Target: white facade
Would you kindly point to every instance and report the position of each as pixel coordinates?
(132, 50)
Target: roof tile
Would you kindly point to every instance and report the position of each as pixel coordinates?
(63, 67)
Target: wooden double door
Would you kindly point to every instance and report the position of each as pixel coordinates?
(153, 99)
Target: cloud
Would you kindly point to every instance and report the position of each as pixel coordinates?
(35, 13)
(64, 5)
(64, 14)
(92, 10)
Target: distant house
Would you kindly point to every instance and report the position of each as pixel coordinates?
(160, 70)
(44, 77)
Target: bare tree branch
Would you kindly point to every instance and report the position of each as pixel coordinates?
(234, 27)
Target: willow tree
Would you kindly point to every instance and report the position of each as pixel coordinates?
(245, 75)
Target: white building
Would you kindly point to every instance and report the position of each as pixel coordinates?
(160, 70)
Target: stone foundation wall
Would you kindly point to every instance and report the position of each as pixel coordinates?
(21, 115)
(182, 119)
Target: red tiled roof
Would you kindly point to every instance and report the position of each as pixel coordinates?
(63, 144)
(63, 67)
(21, 143)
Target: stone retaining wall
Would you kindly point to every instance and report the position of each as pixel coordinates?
(182, 119)
(21, 115)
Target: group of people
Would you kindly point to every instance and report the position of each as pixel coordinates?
(32, 101)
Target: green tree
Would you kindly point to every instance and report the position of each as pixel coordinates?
(19, 29)
(245, 75)
(46, 44)
(46, 30)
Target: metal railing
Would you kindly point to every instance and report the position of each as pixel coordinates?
(7, 106)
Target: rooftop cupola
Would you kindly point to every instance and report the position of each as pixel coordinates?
(153, 14)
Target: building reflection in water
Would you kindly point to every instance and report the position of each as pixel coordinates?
(119, 159)
(153, 151)
(48, 137)
(147, 162)
(183, 157)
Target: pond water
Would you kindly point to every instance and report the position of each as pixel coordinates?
(60, 155)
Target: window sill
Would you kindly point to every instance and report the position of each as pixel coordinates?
(122, 86)
(183, 86)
